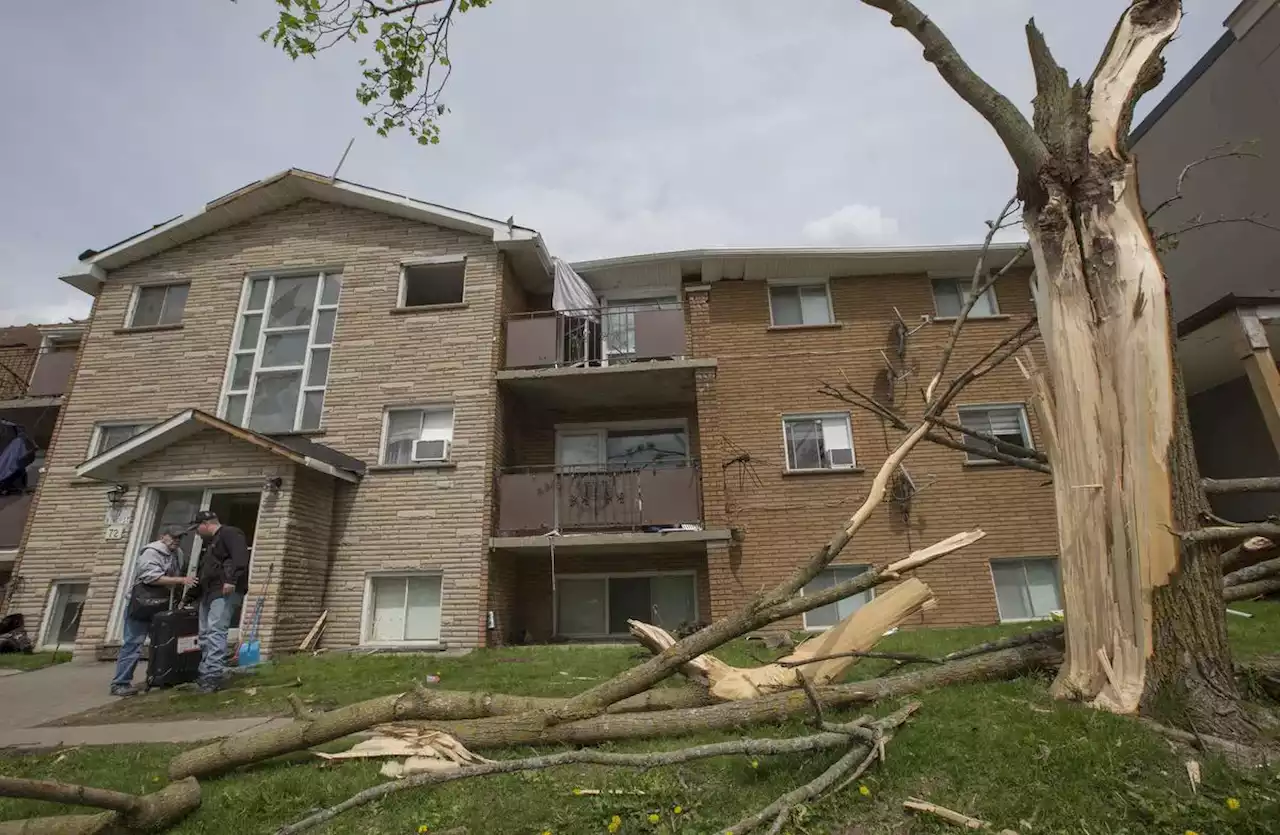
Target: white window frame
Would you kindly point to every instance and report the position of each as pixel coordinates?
(305, 368)
(1023, 561)
(414, 407)
(969, 458)
(962, 287)
(606, 576)
(95, 440)
(366, 606)
(819, 416)
(137, 293)
(430, 261)
(47, 620)
(805, 616)
(825, 283)
(601, 430)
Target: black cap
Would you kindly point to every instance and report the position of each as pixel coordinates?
(204, 516)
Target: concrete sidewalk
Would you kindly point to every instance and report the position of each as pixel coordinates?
(131, 733)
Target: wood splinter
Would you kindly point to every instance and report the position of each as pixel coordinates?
(915, 804)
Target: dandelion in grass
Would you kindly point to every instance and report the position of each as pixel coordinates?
(654, 817)
(1191, 832)
(615, 823)
(755, 763)
(423, 828)
(864, 791)
(678, 810)
(1233, 804)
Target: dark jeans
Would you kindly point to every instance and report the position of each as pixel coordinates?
(135, 633)
(215, 620)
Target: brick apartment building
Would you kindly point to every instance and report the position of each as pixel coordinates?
(379, 392)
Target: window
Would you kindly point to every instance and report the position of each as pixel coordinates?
(111, 435)
(1026, 589)
(829, 615)
(952, 294)
(818, 442)
(597, 449)
(158, 305)
(800, 304)
(424, 285)
(619, 323)
(280, 353)
(62, 618)
(417, 435)
(1008, 423)
(402, 608)
(596, 606)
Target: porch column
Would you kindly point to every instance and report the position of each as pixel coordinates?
(1254, 352)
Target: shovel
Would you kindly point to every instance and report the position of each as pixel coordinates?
(250, 653)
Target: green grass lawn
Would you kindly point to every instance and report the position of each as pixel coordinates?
(32, 660)
(1002, 751)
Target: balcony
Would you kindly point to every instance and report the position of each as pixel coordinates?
(13, 518)
(633, 353)
(538, 500)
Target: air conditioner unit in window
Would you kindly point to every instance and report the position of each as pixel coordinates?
(840, 457)
(437, 450)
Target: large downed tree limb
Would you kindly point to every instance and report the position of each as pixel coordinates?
(1039, 636)
(1255, 549)
(821, 659)
(1217, 486)
(590, 756)
(129, 812)
(423, 703)
(1252, 573)
(1248, 591)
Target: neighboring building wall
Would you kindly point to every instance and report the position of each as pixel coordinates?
(1232, 442)
(19, 348)
(1233, 102)
(764, 373)
(428, 518)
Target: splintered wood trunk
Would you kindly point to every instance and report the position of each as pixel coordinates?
(1144, 615)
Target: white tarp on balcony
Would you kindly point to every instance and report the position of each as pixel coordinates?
(571, 293)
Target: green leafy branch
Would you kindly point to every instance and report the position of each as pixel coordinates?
(402, 81)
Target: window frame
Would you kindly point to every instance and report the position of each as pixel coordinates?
(990, 293)
(606, 576)
(602, 430)
(798, 283)
(366, 607)
(95, 439)
(804, 617)
(451, 408)
(402, 287)
(1023, 418)
(818, 416)
(136, 294)
(995, 590)
(256, 370)
(47, 617)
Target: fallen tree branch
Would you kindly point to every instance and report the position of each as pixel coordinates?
(1267, 484)
(1257, 571)
(1252, 550)
(129, 813)
(1248, 591)
(581, 756)
(1225, 532)
(1037, 637)
(856, 759)
(1236, 751)
(904, 657)
(915, 804)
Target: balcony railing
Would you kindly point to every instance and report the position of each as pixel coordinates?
(596, 337)
(13, 518)
(536, 500)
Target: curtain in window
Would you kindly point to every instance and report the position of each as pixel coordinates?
(804, 444)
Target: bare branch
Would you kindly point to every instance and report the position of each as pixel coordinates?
(904, 657)
(1252, 220)
(1028, 152)
(1264, 484)
(1221, 152)
(1003, 446)
(1218, 534)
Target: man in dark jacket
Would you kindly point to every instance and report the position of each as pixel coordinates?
(224, 579)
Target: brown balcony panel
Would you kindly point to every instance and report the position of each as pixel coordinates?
(659, 334)
(587, 501)
(13, 518)
(532, 342)
(526, 502)
(52, 373)
(669, 496)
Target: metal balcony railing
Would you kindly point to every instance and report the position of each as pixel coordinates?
(536, 500)
(608, 336)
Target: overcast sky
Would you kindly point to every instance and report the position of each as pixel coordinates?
(611, 127)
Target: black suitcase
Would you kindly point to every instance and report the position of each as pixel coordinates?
(175, 648)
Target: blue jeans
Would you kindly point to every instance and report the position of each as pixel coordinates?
(135, 632)
(215, 620)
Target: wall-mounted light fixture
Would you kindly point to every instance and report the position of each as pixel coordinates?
(115, 496)
(272, 484)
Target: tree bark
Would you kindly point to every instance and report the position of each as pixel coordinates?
(1248, 591)
(147, 813)
(1252, 573)
(534, 729)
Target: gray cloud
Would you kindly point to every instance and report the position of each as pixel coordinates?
(610, 127)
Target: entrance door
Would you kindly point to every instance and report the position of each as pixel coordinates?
(239, 510)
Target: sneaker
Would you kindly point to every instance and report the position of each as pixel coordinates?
(207, 687)
(123, 690)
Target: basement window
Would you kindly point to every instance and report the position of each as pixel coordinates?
(431, 285)
(1026, 589)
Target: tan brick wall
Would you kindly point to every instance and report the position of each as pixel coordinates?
(763, 374)
(298, 584)
(431, 519)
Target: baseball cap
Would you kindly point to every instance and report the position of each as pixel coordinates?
(204, 516)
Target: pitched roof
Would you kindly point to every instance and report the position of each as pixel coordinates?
(279, 190)
(106, 466)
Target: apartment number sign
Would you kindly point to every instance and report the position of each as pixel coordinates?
(117, 522)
